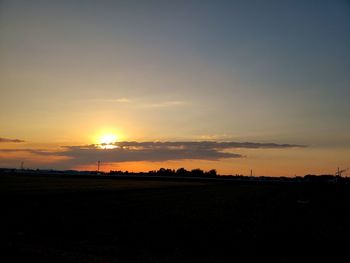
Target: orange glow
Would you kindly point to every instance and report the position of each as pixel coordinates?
(107, 141)
(106, 138)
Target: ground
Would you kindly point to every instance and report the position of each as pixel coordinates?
(67, 219)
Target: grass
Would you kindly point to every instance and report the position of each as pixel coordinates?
(57, 219)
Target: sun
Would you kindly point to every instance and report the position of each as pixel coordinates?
(107, 141)
(108, 138)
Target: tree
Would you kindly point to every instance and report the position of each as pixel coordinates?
(197, 172)
(181, 172)
(212, 173)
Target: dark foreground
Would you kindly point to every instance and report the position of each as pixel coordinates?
(56, 219)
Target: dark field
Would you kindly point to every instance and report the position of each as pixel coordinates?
(57, 219)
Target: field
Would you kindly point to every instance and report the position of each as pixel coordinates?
(67, 219)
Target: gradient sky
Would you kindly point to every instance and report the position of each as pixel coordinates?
(179, 71)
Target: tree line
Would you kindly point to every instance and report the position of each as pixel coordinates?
(181, 172)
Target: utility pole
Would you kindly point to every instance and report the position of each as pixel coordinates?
(98, 165)
(22, 165)
(251, 172)
(340, 172)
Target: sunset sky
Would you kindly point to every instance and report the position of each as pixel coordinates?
(139, 85)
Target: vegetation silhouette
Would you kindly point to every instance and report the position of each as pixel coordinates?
(183, 173)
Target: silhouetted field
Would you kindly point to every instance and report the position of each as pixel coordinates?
(65, 219)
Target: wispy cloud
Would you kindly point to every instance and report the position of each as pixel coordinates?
(215, 137)
(112, 100)
(10, 140)
(164, 104)
(143, 103)
(123, 100)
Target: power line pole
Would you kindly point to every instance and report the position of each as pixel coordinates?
(98, 165)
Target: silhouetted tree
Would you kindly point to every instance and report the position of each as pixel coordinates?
(211, 173)
(197, 172)
(182, 172)
(166, 172)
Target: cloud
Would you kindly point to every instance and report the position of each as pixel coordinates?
(215, 137)
(164, 104)
(163, 151)
(149, 151)
(205, 145)
(110, 100)
(143, 103)
(33, 151)
(10, 140)
(132, 151)
(123, 100)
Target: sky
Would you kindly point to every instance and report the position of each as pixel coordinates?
(139, 85)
